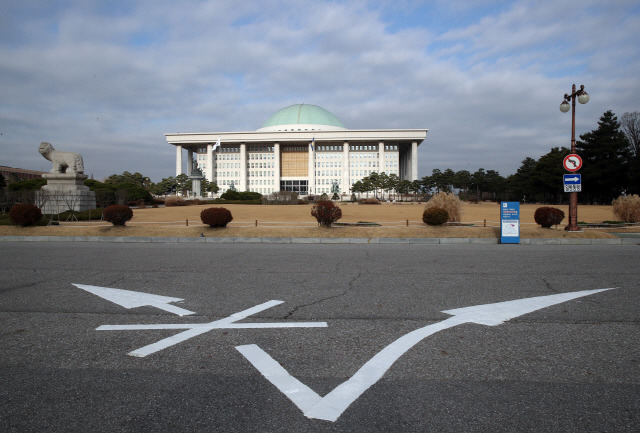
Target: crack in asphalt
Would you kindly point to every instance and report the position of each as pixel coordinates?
(327, 298)
(548, 285)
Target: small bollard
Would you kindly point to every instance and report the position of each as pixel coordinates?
(256, 223)
(485, 223)
(187, 223)
(407, 223)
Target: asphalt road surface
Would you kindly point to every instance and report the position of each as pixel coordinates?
(370, 317)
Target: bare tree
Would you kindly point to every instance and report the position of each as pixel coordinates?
(41, 198)
(630, 123)
(55, 200)
(5, 200)
(121, 196)
(71, 199)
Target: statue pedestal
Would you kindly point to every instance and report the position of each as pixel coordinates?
(196, 185)
(65, 192)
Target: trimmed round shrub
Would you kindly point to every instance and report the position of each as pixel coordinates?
(25, 214)
(326, 213)
(435, 216)
(627, 208)
(449, 202)
(117, 214)
(548, 216)
(216, 216)
(174, 200)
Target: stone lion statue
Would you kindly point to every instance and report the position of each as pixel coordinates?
(63, 162)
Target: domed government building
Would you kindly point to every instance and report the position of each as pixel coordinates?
(302, 148)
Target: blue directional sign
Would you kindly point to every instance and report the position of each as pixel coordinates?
(572, 182)
(510, 222)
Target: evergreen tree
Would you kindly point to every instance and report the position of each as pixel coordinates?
(126, 177)
(479, 182)
(427, 184)
(605, 157)
(520, 183)
(546, 177)
(631, 126)
(462, 180)
(496, 184)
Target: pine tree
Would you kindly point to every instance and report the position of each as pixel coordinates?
(546, 177)
(605, 158)
(521, 182)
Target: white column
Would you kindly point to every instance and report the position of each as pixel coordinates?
(189, 161)
(276, 167)
(209, 170)
(381, 160)
(178, 160)
(243, 167)
(414, 161)
(312, 170)
(346, 180)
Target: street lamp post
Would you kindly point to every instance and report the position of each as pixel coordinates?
(583, 98)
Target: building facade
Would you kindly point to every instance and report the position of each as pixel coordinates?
(302, 148)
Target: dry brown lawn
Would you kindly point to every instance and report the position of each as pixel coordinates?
(296, 221)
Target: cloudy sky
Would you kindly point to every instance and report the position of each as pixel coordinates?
(108, 79)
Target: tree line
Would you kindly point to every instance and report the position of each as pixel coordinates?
(167, 186)
(611, 167)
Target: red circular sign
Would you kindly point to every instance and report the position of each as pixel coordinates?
(572, 162)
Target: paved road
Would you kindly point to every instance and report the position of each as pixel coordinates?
(574, 366)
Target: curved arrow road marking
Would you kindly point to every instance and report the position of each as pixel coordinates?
(331, 406)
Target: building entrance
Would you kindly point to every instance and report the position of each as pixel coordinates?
(299, 186)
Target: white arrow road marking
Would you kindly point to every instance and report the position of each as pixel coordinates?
(195, 329)
(331, 406)
(130, 299)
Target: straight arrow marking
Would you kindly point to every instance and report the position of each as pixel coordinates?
(130, 299)
(331, 406)
(195, 329)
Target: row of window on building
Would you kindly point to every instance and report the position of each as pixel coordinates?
(266, 186)
(267, 152)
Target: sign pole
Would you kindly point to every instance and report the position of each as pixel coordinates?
(573, 196)
(583, 98)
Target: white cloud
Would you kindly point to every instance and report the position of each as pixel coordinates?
(486, 80)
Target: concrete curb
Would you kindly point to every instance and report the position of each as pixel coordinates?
(238, 240)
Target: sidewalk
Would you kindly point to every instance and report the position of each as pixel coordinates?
(622, 239)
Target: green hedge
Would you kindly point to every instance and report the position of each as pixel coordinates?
(222, 201)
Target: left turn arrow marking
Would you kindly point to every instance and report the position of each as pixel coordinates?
(131, 299)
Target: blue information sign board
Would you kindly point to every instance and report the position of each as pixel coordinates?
(509, 222)
(572, 182)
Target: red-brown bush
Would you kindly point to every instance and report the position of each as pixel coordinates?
(117, 214)
(435, 216)
(548, 216)
(216, 216)
(25, 214)
(326, 213)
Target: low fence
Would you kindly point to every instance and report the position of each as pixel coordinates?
(303, 224)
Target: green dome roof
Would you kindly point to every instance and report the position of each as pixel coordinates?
(309, 116)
